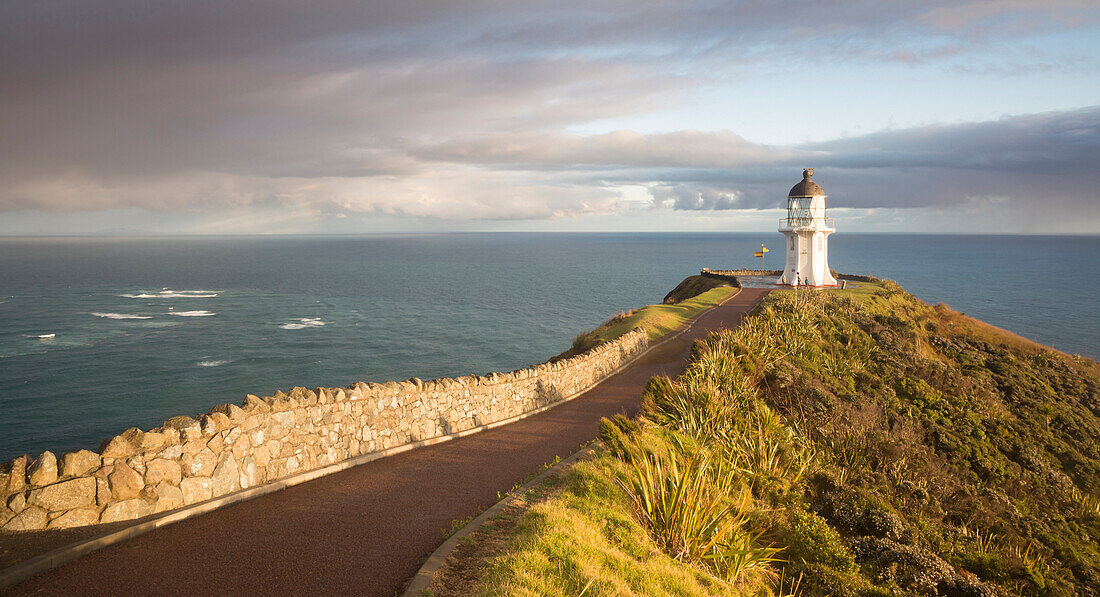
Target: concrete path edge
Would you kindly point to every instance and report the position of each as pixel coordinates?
(52, 559)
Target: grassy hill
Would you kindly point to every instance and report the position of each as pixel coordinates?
(656, 320)
(693, 286)
(855, 442)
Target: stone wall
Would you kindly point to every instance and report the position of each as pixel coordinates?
(741, 272)
(192, 459)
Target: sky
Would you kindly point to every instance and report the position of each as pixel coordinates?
(346, 116)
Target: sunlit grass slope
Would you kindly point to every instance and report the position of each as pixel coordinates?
(854, 442)
(657, 320)
(586, 540)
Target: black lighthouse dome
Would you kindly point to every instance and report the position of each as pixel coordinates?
(806, 188)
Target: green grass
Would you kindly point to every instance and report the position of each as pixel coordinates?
(657, 320)
(585, 539)
(890, 448)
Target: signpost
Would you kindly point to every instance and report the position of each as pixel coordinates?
(760, 254)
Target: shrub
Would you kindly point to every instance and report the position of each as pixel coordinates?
(810, 540)
(988, 566)
(861, 513)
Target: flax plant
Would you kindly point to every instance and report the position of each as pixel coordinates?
(685, 500)
(688, 515)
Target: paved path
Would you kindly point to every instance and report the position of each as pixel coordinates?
(364, 531)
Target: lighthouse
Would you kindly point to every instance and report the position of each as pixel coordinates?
(807, 235)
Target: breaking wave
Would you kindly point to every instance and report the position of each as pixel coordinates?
(211, 363)
(305, 322)
(122, 316)
(193, 313)
(173, 294)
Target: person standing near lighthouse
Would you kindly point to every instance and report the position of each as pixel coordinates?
(807, 236)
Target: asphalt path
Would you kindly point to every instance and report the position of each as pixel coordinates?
(366, 530)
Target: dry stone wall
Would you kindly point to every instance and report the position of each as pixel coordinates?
(740, 272)
(193, 459)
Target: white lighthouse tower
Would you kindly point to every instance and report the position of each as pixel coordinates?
(807, 233)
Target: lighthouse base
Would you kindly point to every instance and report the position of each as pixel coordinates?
(807, 257)
(804, 285)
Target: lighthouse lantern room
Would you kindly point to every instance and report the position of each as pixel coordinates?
(807, 236)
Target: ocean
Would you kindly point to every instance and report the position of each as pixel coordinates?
(144, 329)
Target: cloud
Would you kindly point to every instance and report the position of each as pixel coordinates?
(471, 110)
(693, 197)
(1027, 15)
(1041, 162)
(696, 149)
(1046, 158)
(1042, 159)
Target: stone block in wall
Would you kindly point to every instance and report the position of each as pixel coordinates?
(125, 482)
(240, 448)
(170, 453)
(235, 413)
(221, 421)
(251, 422)
(17, 502)
(137, 463)
(231, 435)
(284, 420)
(291, 465)
(169, 497)
(102, 487)
(79, 517)
(16, 476)
(249, 474)
(152, 441)
(255, 404)
(160, 470)
(328, 396)
(43, 470)
(125, 510)
(226, 477)
(66, 495)
(196, 489)
(216, 443)
(201, 464)
(79, 462)
(32, 518)
(188, 428)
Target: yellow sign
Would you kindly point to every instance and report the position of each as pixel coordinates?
(763, 249)
(758, 254)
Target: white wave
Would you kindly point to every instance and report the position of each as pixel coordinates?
(211, 363)
(193, 313)
(122, 316)
(305, 322)
(173, 294)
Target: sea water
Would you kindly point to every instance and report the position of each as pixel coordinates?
(144, 329)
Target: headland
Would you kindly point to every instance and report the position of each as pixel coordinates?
(840, 442)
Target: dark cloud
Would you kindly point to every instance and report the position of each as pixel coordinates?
(1042, 159)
